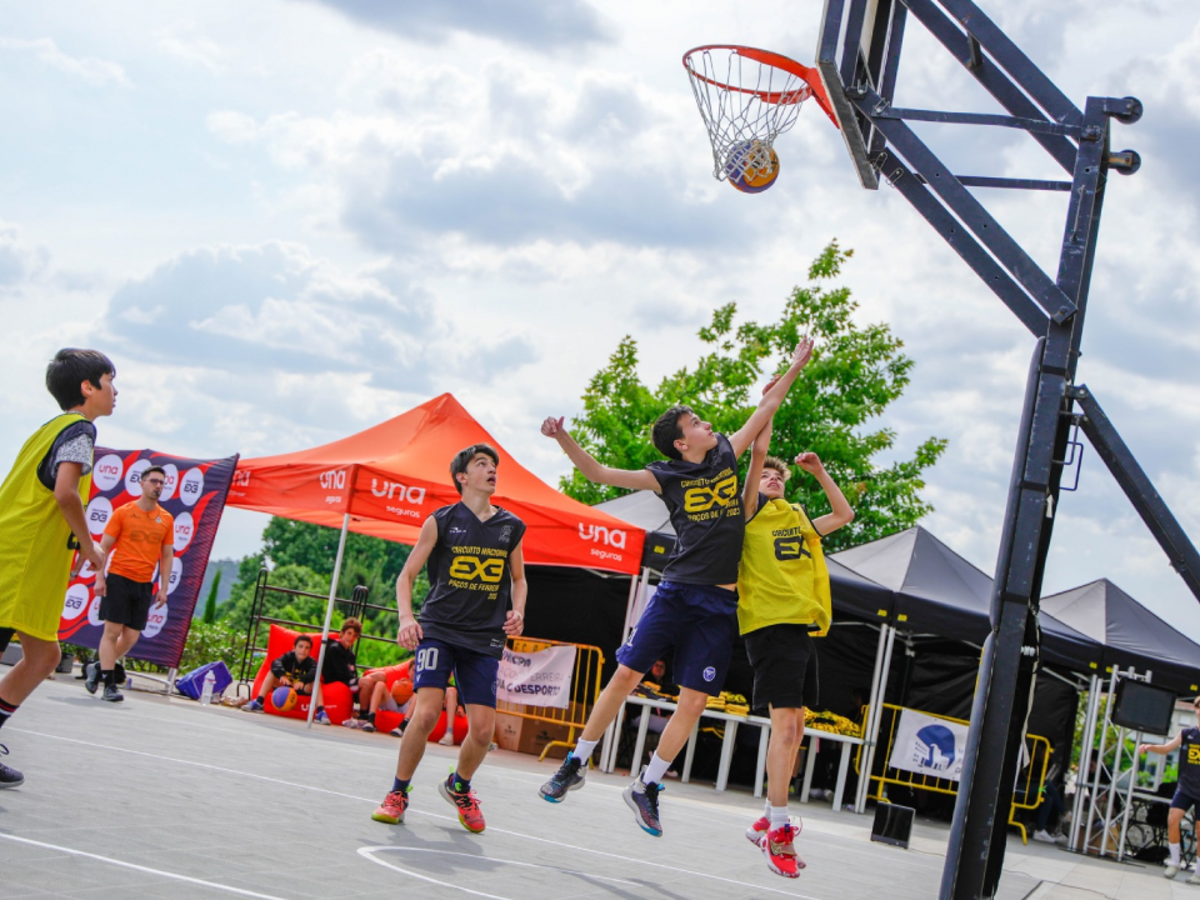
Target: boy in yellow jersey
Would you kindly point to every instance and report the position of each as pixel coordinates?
(42, 521)
(783, 603)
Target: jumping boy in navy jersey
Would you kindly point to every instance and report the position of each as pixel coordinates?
(476, 597)
(695, 607)
(1187, 791)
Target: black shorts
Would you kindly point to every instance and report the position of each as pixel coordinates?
(126, 602)
(785, 666)
(1184, 801)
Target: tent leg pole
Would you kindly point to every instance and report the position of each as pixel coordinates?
(1085, 750)
(872, 716)
(880, 691)
(337, 573)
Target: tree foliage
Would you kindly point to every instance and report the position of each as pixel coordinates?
(855, 372)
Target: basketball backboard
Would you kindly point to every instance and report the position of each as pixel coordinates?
(859, 46)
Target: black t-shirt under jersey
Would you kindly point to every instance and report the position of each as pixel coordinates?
(470, 584)
(1189, 762)
(706, 512)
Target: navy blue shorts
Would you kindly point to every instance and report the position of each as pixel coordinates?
(1184, 801)
(699, 621)
(474, 672)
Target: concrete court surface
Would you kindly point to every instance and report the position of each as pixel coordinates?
(158, 798)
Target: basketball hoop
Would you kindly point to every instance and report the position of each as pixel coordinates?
(747, 98)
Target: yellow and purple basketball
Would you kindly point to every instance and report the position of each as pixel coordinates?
(752, 167)
(284, 698)
(402, 690)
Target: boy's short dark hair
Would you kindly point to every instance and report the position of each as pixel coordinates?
(159, 469)
(667, 431)
(352, 624)
(70, 368)
(302, 639)
(463, 457)
(774, 462)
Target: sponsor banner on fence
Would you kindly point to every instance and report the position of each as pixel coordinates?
(542, 678)
(195, 496)
(929, 745)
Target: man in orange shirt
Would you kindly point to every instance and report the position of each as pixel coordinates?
(139, 537)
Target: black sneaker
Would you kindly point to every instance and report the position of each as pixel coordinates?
(569, 777)
(9, 777)
(112, 695)
(92, 670)
(642, 798)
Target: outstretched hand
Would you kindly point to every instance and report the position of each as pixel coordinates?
(803, 352)
(552, 426)
(809, 462)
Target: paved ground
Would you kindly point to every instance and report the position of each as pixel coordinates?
(159, 798)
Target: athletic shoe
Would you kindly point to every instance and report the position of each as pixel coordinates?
(1044, 836)
(642, 798)
(396, 732)
(368, 726)
(321, 718)
(780, 852)
(1171, 870)
(92, 681)
(348, 723)
(391, 810)
(466, 802)
(447, 739)
(1194, 878)
(112, 695)
(254, 705)
(758, 830)
(569, 777)
(9, 777)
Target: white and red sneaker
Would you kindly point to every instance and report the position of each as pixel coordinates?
(756, 832)
(777, 846)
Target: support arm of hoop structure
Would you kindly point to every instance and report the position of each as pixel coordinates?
(333, 584)
(1138, 488)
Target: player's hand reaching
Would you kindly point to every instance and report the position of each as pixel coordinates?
(803, 352)
(810, 463)
(514, 622)
(552, 426)
(410, 633)
(1143, 748)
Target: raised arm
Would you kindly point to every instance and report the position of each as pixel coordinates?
(758, 454)
(593, 471)
(410, 630)
(772, 399)
(841, 513)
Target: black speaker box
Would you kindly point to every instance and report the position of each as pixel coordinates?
(893, 824)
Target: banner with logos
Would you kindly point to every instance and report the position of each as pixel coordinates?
(542, 678)
(929, 745)
(195, 495)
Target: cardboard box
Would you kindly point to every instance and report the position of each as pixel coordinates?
(532, 735)
(508, 732)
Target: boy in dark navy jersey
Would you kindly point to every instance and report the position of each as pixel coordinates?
(694, 609)
(476, 598)
(1187, 791)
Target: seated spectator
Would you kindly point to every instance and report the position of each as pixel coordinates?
(295, 669)
(398, 698)
(341, 665)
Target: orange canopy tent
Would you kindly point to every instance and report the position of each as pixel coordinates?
(389, 478)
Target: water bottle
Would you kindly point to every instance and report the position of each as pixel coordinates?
(210, 682)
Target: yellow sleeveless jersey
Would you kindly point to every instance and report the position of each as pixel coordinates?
(783, 579)
(35, 562)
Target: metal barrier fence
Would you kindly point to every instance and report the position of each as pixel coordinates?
(1027, 792)
(585, 689)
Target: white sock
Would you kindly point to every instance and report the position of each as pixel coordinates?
(655, 769)
(1174, 851)
(778, 816)
(583, 749)
(767, 809)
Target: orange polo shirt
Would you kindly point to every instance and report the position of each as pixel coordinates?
(140, 538)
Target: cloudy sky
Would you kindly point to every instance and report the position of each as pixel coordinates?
(291, 219)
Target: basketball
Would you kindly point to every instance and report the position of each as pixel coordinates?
(402, 690)
(284, 698)
(752, 167)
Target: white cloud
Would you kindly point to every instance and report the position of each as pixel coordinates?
(89, 68)
(190, 47)
(18, 262)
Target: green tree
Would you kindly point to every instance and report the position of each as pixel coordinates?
(210, 605)
(855, 372)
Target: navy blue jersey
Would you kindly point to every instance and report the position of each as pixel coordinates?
(706, 512)
(470, 590)
(1189, 762)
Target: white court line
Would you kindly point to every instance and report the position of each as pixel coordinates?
(529, 837)
(369, 853)
(137, 868)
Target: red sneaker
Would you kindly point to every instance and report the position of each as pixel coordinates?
(781, 855)
(465, 802)
(758, 830)
(391, 810)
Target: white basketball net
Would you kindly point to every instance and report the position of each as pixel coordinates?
(745, 105)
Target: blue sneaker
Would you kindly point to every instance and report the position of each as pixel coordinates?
(321, 718)
(92, 681)
(642, 798)
(9, 777)
(569, 777)
(254, 705)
